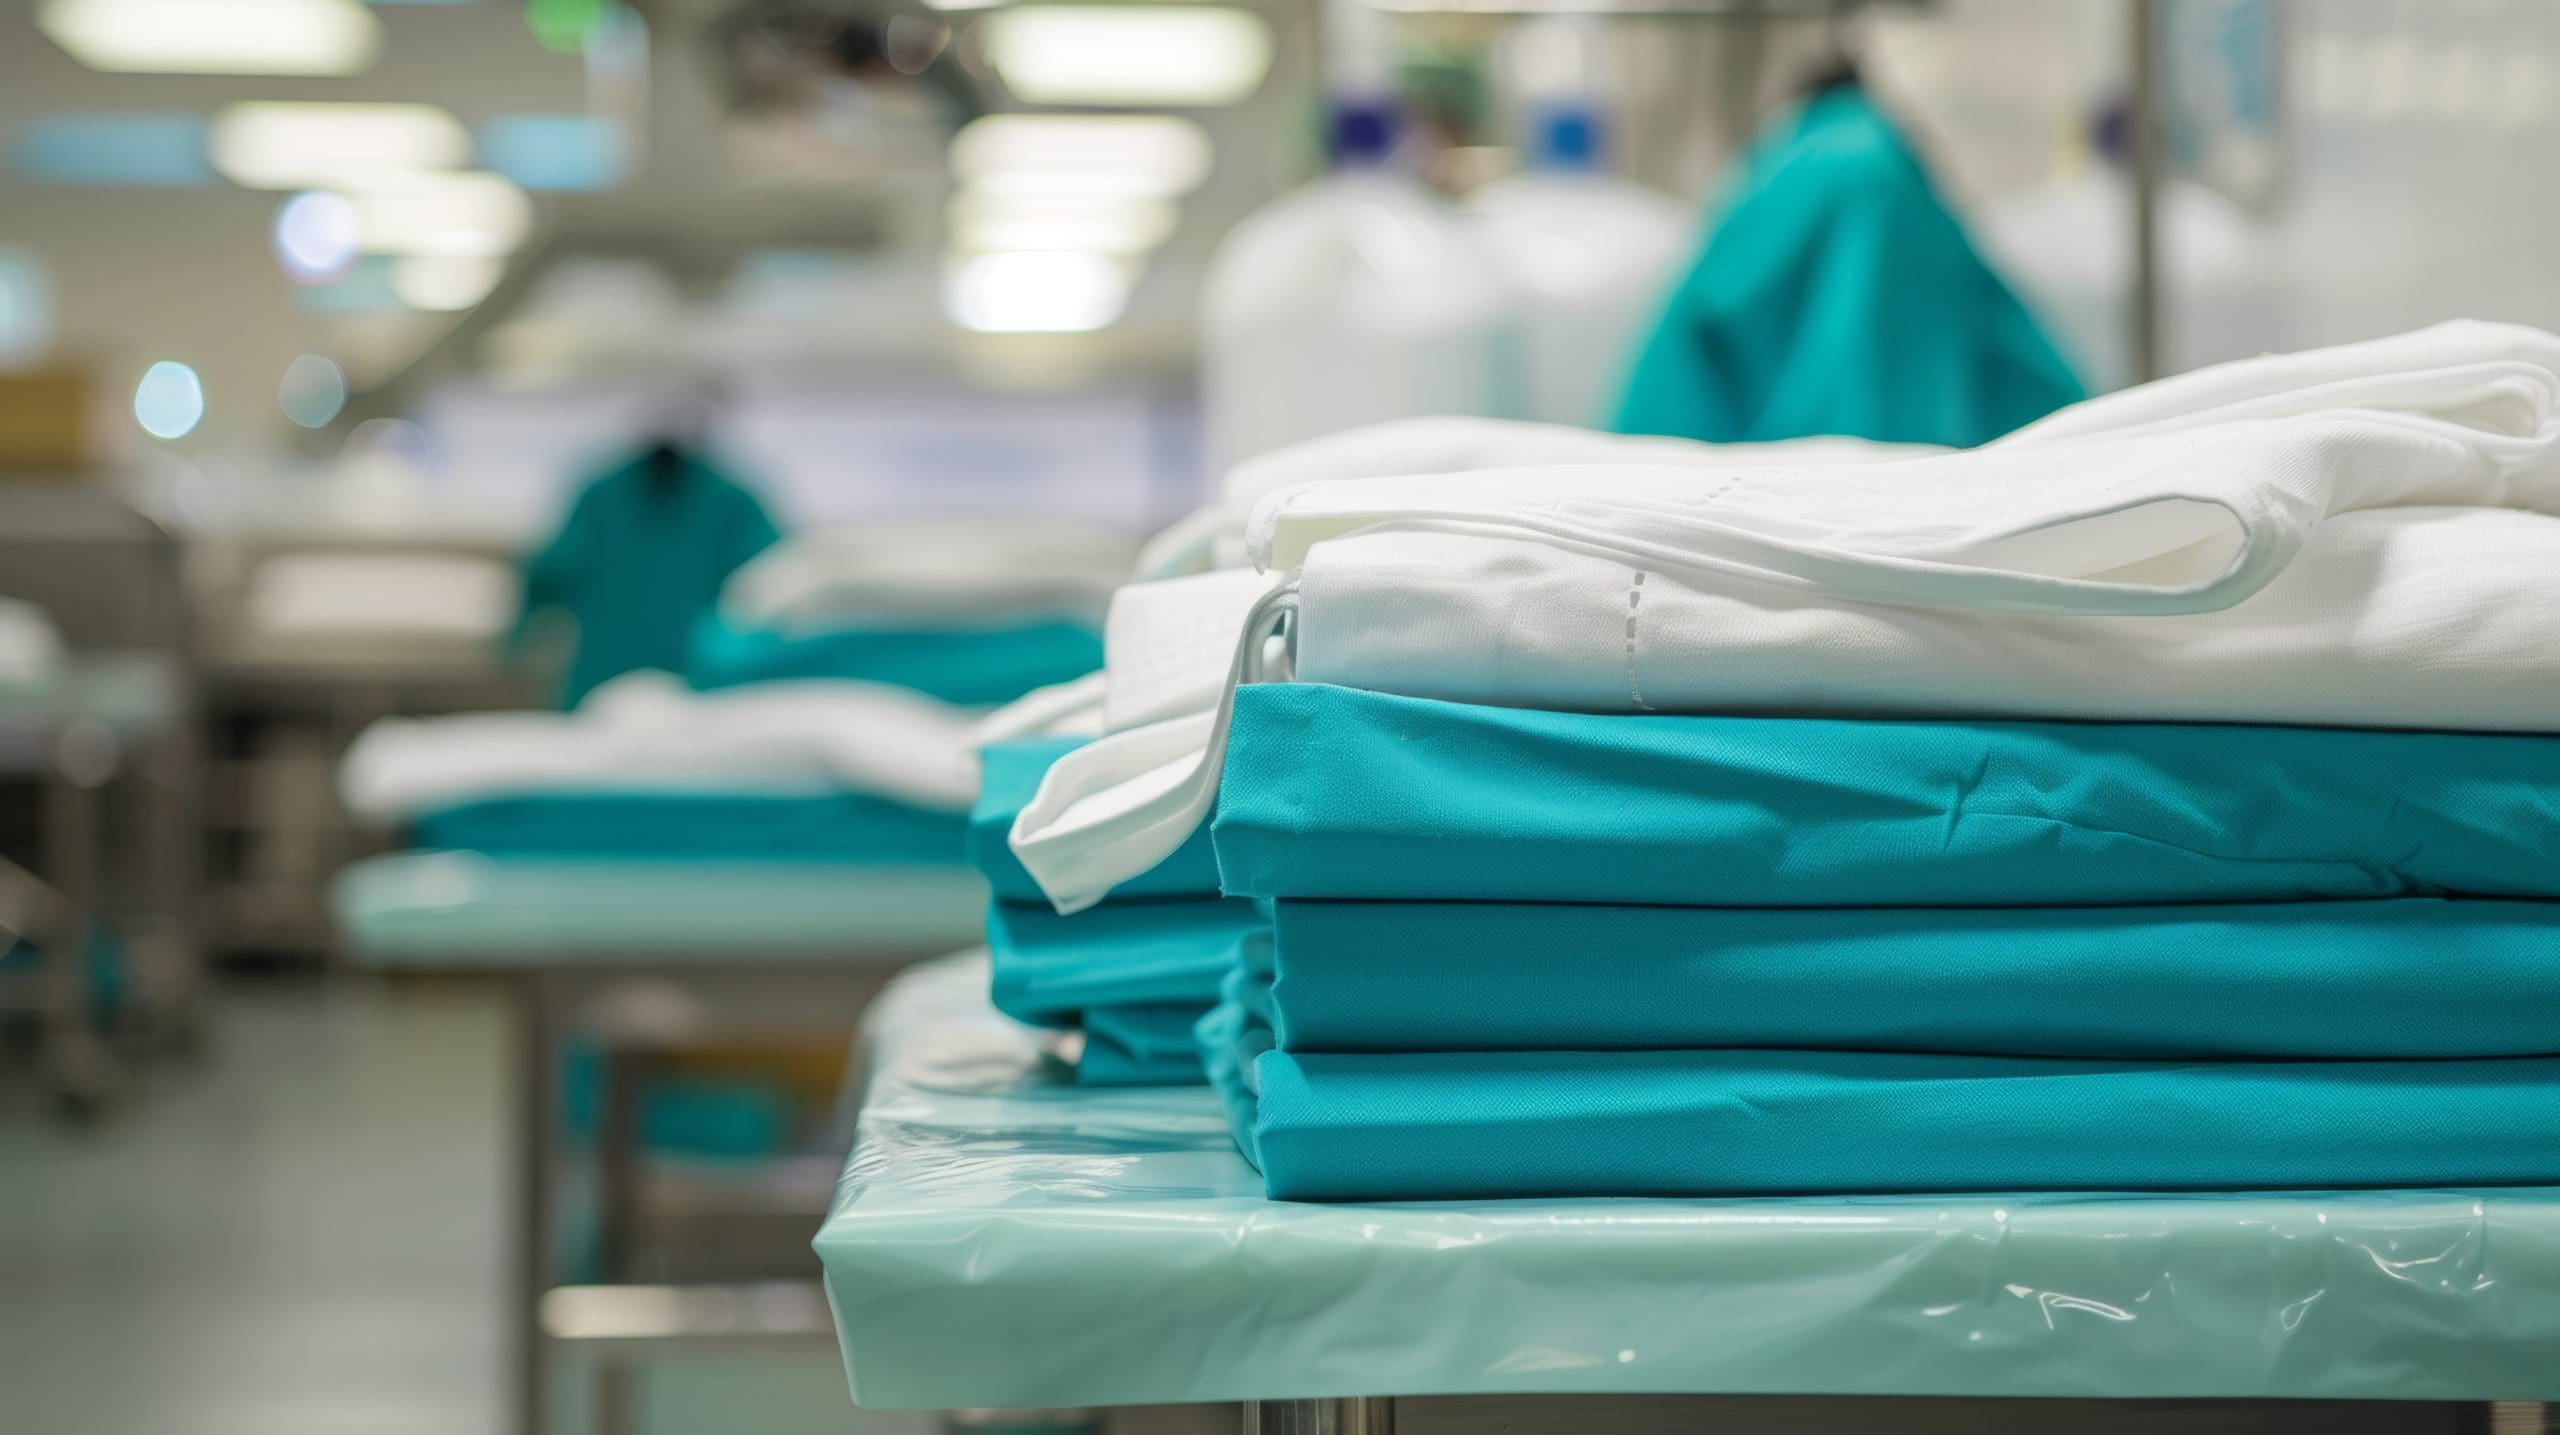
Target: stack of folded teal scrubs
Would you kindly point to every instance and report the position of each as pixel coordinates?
(970, 666)
(1134, 974)
(1520, 953)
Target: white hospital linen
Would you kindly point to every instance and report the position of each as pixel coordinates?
(645, 732)
(1168, 644)
(923, 573)
(1069, 709)
(1214, 537)
(2491, 375)
(2445, 618)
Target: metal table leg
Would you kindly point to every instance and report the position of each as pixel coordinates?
(1366, 1415)
(529, 1246)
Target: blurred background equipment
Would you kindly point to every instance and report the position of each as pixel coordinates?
(647, 437)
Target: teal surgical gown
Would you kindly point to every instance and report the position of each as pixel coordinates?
(1837, 295)
(640, 559)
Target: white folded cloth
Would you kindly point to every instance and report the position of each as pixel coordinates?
(645, 732)
(967, 573)
(1069, 709)
(2350, 537)
(1214, 537)
(2442, 618)
(1168, 644)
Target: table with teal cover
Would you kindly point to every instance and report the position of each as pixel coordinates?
(1001, 1238)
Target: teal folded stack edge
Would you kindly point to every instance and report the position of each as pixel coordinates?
(972, 666)
(1134, 974)
(2398, 979)
(705, 826)
(1328, 792)
(1958, 993)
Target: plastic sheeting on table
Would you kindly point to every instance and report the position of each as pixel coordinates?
(1001, 1238)
(464, 909)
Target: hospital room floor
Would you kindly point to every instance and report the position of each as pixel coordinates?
(303, 1236)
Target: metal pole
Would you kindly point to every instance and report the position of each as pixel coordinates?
(2144, 119)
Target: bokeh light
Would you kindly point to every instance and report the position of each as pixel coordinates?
(316, 234)
(1035, 293)
(169, 402)
(313, 391)
(442, 282)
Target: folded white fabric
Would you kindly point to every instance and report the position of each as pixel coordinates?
(2180, 501)
(1168, 644)
(1214, 537)
(1069, 709)
(647, 733)
(970, 573)
(2391, 618)
(2283, 562)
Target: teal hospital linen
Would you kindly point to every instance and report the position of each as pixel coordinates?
(1332, 792)
(1147, 1045)
(1050, 970)
(1135, 976)
(1465, 1125)
(965, 666)
(711, 826)
(2407, 977)
(1009, 776)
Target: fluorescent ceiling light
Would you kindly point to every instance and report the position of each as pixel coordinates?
(214, 37)
(444, 282)
(287, 145)
(981, 223)
(466, 216)
(1127, 156)
(1057, 293)
(1129, 54)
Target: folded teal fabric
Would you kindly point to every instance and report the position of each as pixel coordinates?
(1136, 976)
(1329, 792)
(1051, 970)
(2402, 977)
(712, 826)
(968, 666)
(1473, 1125)
(1229, 1040)
(1140, 1046)
(1009, 776)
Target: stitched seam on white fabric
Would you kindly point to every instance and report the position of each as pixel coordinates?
(1720, 490)
(1635, 597)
